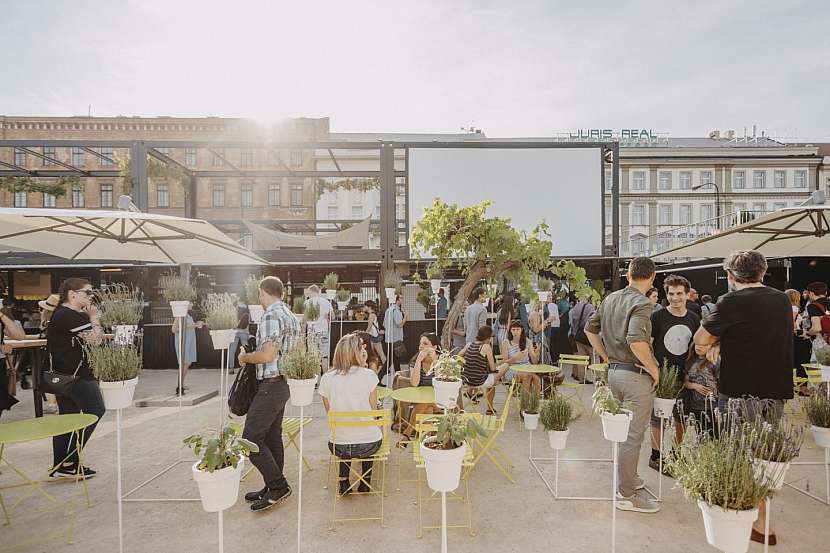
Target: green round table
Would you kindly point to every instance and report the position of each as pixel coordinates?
(536, 369)
(415, 394)
(383, 393)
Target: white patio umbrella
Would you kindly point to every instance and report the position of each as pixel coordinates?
(789, 232)
(121, 236)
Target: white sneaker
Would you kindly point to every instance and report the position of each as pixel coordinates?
(638, 503)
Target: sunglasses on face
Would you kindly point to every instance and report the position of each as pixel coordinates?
(89, 293)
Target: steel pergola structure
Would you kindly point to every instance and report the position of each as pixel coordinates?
(390, 250)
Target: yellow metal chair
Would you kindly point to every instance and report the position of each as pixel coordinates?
(290, 434)
(424, 425)
(600, 372)
(494, 425)
(575, 387)
(338, 420)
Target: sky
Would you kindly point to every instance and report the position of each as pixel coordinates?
(512, 68)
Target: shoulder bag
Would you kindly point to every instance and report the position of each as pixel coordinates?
(60, 384)
(243, 389)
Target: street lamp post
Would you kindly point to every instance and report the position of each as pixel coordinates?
(717, 199)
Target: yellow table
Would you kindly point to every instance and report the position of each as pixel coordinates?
(536, 369)
(383, 393)
(415, 394)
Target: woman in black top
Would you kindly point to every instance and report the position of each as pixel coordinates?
(74, 321)
(480, 370)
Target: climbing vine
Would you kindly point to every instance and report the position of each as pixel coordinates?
(56, 187)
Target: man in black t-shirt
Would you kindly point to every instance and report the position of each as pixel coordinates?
(672, 330)
(750, 331)
(816, 309)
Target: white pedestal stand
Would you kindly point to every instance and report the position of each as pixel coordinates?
(118, 482)
(614, 501)
(443, 522)
(554, 489)
(300, 488)
(826, 463)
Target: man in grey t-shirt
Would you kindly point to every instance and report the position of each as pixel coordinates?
(476, 314)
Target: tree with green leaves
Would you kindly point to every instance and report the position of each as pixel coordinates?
(55, 187)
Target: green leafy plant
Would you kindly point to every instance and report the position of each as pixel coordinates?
(556, 414)
(112, 362)
(817, 409)
(823, 355)
(252, 289)
(543, 284)
(391, 279)
(220, 311)
(120, 305)
(219, 450)
(669, 385)
(57, 187)
(298, 306)
(344, 295)
(311, 310)
(603, 401)
(176, 288)
(448, 367)
(576, 281)
(330, 281)
(529, 401)
(454, 429)
(424, 298)
(434, 271)
(301, 363)
(157, 170)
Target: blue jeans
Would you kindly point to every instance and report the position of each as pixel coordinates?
(84, 397)
(354, 451)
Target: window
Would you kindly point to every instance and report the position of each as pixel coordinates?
(332, 211)
(296, 195)
(246, 240)
(685, 180)
(707, 211)
(638, 214)
(297, 159)
(400, 211)
(779, 205)
(247, 195)
(759, 207)
(78, 157)
(664, 180)
(376, 212)
(216, 157)
(739, 180)
(19, 158)
(190, 156)
(800, 179)
(20, 199)
(77, 195)
(736, 207)
(106, 195)
(665, 214)
(273, 195)
(780, 178)
(165, 151)
(705, 177)
(663, 243)
(759, 179)
(48, 151)
(107, 152)
(357, 212)
(163, 195)
(273, 158)
(685, 214)
(609, 182)
(218, 194)
(246, 157)
(638, 180)
(48, 200)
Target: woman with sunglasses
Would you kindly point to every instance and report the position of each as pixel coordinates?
(74, 321)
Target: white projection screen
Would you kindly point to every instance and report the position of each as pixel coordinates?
(562, 186)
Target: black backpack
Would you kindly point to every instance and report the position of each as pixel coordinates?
(243, 389)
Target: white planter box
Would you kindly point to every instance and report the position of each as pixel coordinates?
(443, 466)
(124, 334)
(531, 420)
(219, 490)
(118, 395)
(771, 472)
(615, 427)
(222, 339)
(821, 436)
(558, 438)
(390, 294)
(331, 294)
(302, 391)
(256, 312)
(179, 308)
(825, 372)
(727, 530)
(446, 393)
(663, 407)
(341, 305)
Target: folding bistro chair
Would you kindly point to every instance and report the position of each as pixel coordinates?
(338, 420)
(575, 387)
(290, 434)
(494, 425)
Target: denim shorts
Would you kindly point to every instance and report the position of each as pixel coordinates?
(354, 451)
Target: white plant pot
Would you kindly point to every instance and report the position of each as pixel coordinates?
(222, 339)
(219, 489)
(331, 294)
(118, 395)
(825, 372)
(446, 392)
(256, 312)
(443, 466)
(435, 284)
(531, 420)
(727, 530)
(124, 334)
(302, 391)
(558, 438)
(771, 472)
(615, 427)
(341, 305)
(821, 436)
(390, 294)
(179, 308)
(543, 296)
(663, 407)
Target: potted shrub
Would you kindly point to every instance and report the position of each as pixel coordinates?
(444, 450)
(121, 309)
(774, 444)
(529, 402)
(544, 286)
(424, 298)
(330, 284)
(311, 311)
(301, 366)
(434, 274)
(717, 472)
(615, 419)
(218, 471)
(556, 417)
(823, 359)
(817, 409)
(298, 307)
(392, 284)
(220, 317)
(255, 310)
(447, 379)
(668, 388)
(178, 291)
(116, 366)
(343, 297)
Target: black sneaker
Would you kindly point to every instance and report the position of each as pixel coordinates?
(71, 471)
(271, 498)
(250, 497)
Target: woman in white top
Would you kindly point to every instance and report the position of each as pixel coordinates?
(350, 386)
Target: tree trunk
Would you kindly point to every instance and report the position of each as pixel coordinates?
(477, 272)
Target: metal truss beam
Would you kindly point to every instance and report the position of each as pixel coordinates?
(54, 161)
(17, 169)
(99, 155)
(168, 160)
(224, 160)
